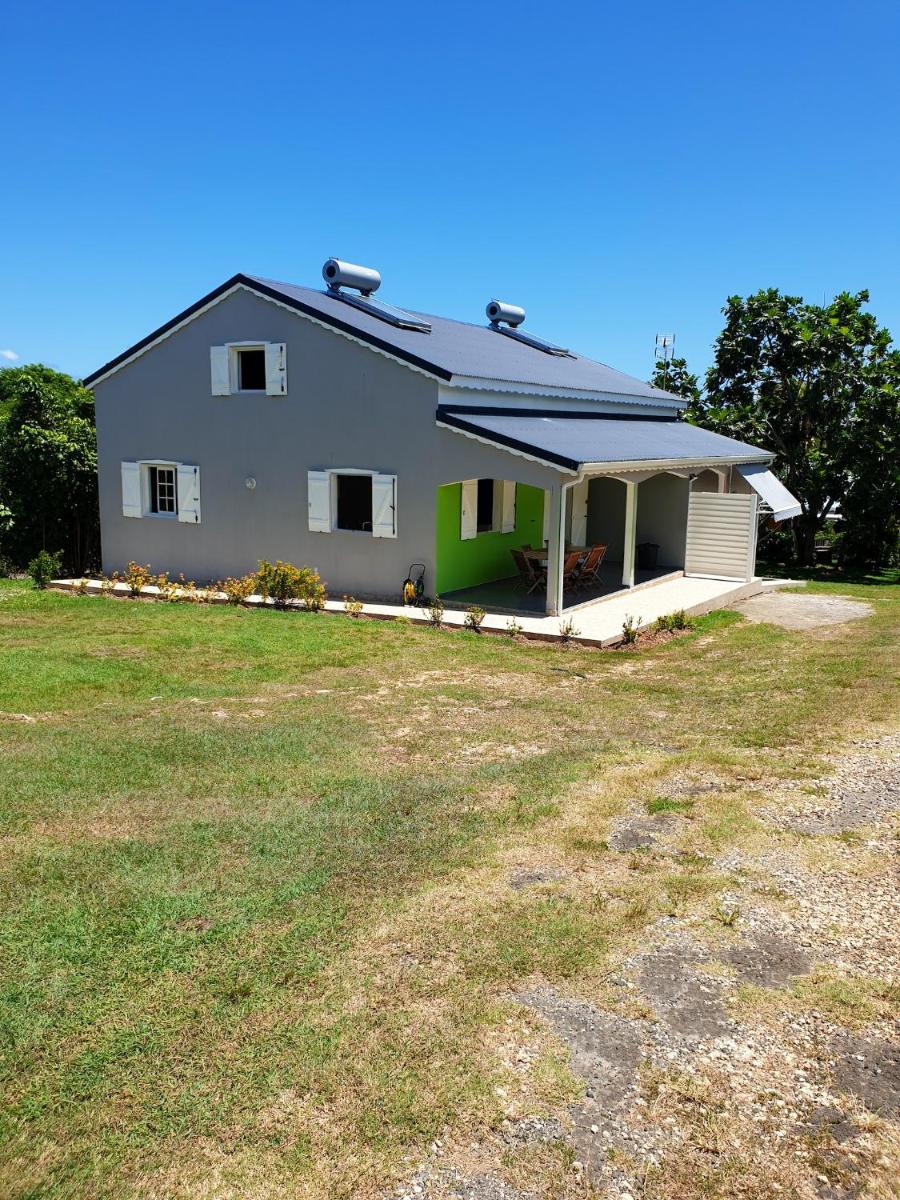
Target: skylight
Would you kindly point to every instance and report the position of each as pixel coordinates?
(384, 312)
(530, 340)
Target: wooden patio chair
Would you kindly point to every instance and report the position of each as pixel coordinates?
(532, 570)
(590, 568)
(570, 568)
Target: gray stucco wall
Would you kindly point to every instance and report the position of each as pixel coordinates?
(346, 406)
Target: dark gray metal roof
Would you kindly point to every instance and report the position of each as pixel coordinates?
(575, 440)
(455, 349)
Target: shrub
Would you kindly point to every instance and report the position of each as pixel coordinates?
(137, 577)
(567, 631)
(631, 627)
(434, 609)
(7, 566)
(80, 587)
(475, 614)
(108, 583)
(671, 622)
(513, 628)
(237, 590)
(168, 588)
(282, 583)
(44, 567)
(353, 607)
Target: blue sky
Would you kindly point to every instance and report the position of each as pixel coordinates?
(616, 169)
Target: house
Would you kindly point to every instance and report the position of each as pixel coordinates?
(326, 427)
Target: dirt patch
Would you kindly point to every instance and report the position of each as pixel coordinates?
(869, 1070)
(687, 1001)
(536, 877)
(645, 833)
(606, 1052)
(800, 612)
(767, 961)
(863, 786)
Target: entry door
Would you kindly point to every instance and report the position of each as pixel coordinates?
(721, 535)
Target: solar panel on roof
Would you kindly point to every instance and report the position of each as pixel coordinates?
(384, 312)
(530, 340)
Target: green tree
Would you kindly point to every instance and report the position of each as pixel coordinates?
(816, 384)
(48, 467)
(675, 377)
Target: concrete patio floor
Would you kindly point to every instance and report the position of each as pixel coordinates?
(511, 595)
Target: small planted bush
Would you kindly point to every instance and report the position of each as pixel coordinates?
(237, 590)
(434, 610)
(353, 607)
(138, 577)
(631, 627)
(44, 567)
(283, 584)
(475, 614)
(672, 622)
(513, 628)
(568, 630)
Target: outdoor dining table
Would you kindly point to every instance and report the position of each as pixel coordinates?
(541, 555)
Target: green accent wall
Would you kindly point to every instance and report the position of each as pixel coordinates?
(486, 557)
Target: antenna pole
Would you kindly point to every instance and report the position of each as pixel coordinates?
(663, 352)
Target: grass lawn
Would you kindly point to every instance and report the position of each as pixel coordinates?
(256, 936)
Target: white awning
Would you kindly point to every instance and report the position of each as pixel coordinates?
(772, 490)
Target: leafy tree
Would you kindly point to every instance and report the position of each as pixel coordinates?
(48, 467)
(870, 510)
(818, 385)
(674, 376)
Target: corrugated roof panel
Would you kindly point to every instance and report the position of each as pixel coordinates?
(475, 351)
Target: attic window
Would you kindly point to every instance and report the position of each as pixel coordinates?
(251, 364)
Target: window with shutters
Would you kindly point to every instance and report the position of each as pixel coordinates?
(167, 490)
(353, 501)
(255, 368)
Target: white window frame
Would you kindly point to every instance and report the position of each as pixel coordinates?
(333, 483)
(234, 367)
(145, 464)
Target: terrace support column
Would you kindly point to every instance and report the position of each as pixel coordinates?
(628, 553)
(556, 541)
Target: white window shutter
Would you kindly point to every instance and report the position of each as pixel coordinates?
(384, 506)
(318, 493)
(276, 369)
(508, 506)
(468, 520)
(132, 505)
(579, 513)
(219, 370)
(188, 479)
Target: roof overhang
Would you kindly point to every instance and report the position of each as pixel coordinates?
(581, 443)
